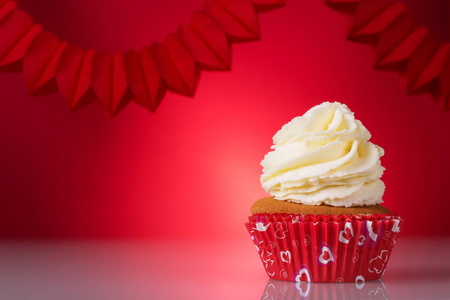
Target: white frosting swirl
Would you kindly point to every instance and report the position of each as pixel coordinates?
(324, 157)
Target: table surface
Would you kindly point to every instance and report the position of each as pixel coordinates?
(199, 269)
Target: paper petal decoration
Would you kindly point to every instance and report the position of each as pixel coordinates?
(370, 32)
(12, 61)
(265, 5)
(399, 45)
(418, 62)
(6, 7)
(17, 31)
(441, 88)
(432, 69)
(237, 18)
(390, 39)
(366, 14)
(403, 51)
(40, 63)
(73, 77)
(207, 43)
(347, 7)
(12, 28)
(176, 65)
(109, 81)
(81, 76)
(144, 78)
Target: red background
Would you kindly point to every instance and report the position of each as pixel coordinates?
(192, 168)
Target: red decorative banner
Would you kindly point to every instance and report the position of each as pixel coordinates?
(113, 80)
(400, 45)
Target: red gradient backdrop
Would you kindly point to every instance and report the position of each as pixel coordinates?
(192, 168)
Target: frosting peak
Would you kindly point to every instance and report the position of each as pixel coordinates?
(324, 157)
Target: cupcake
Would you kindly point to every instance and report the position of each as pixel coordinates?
(324, 221)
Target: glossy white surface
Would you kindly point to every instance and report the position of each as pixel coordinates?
(200, 269)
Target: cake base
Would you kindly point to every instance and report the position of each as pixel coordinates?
(270, 205)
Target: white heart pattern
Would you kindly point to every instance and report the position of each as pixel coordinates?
(361, 240)
(286, 256)
(261, 227)
(304, 294)
(281, 231)
(307, 240)
(284, 274)
(342, 239)
(296, 220)
(377, 294)
(299, 280)
(395, 227)
(378, 263)
(267, 261)
(324, 249)
(359, 282)
(373, 236)
(255, 240)
(303, 271)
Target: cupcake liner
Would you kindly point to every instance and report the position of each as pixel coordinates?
(317, 248)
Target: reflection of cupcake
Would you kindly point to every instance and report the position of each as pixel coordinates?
(323, 222)
(282, 290)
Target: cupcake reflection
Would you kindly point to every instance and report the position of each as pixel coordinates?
(286, 290)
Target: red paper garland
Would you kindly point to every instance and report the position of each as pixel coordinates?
(50, 65)
(81, 77)
(400, 45)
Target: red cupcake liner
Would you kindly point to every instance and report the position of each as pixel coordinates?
(318, 248)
